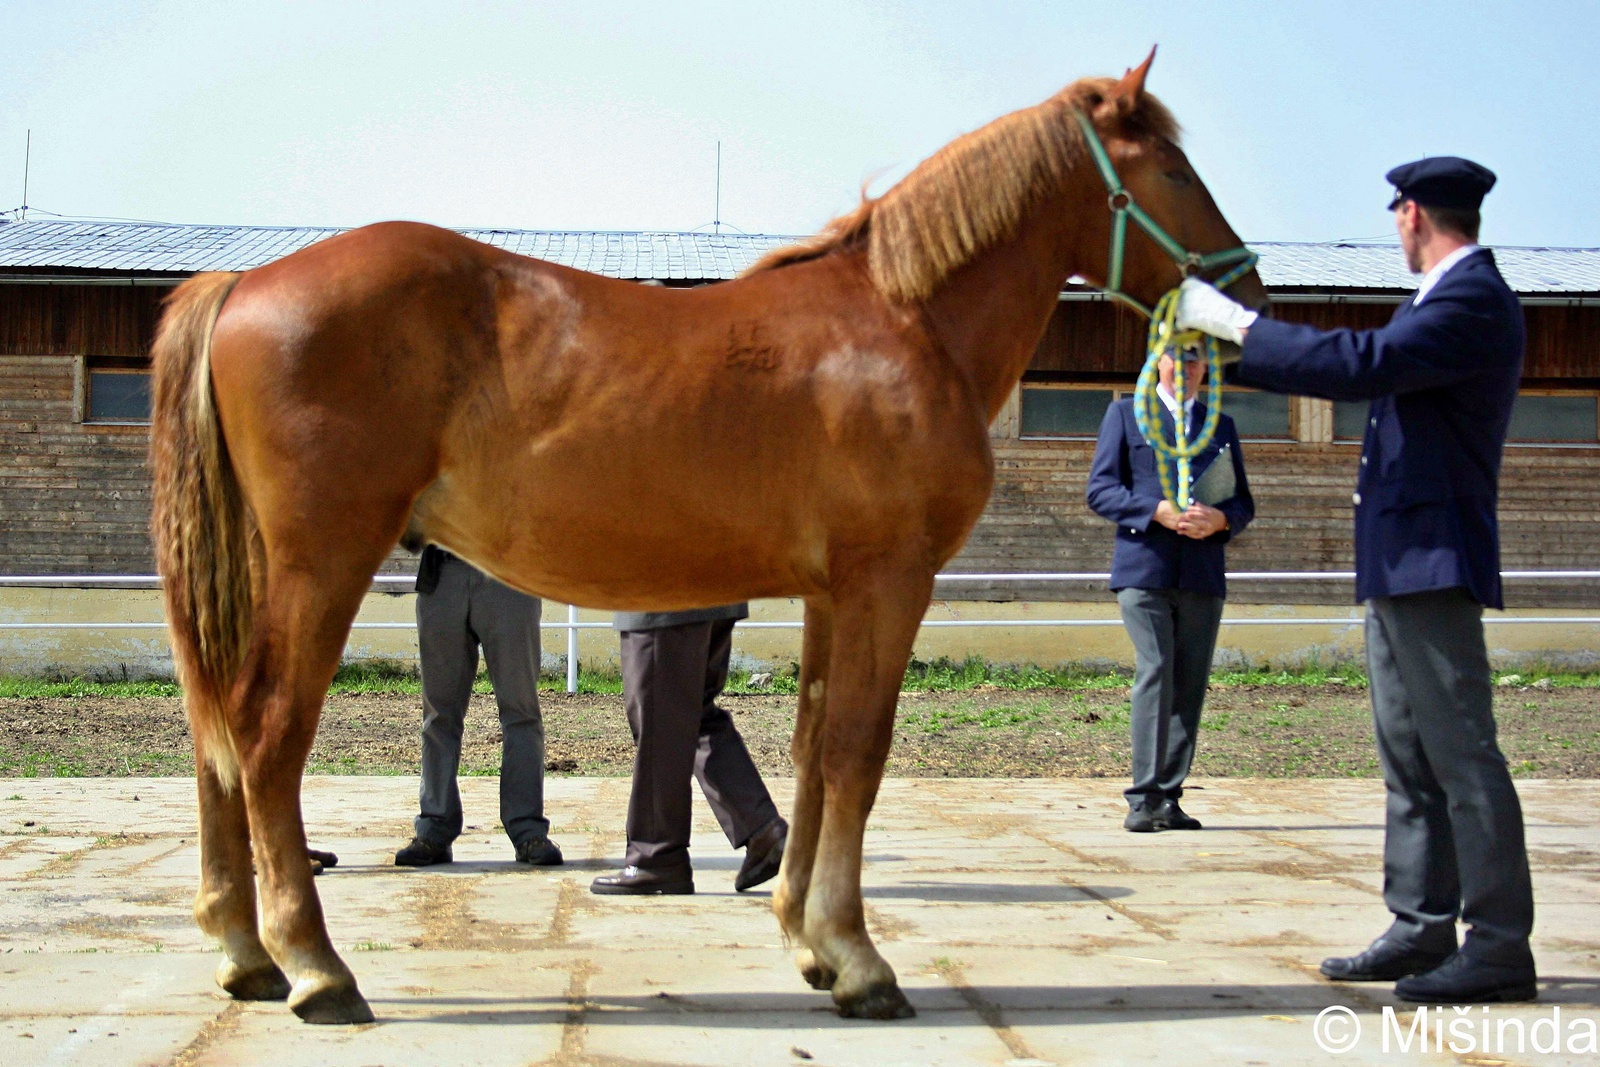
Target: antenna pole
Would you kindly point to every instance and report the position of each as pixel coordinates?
(716, 214)
(27, 160)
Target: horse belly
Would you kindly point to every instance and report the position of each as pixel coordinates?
(600, 535)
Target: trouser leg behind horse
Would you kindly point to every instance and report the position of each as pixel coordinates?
(449, 657)
(727, 775)
(506, 623)
(672, 676)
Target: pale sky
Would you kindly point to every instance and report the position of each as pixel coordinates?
(595, 115)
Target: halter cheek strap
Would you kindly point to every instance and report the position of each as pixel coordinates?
(1123, 207)
(1172, 457)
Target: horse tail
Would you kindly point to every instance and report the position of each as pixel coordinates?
(199, 523)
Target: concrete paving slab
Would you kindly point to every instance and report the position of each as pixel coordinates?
(115, 1008)
(1026, 926)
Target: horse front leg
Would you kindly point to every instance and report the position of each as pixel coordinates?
(805, 824)
(876, 615)
(286, 675)
(225, 905)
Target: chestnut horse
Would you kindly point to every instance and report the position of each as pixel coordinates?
(817, 428)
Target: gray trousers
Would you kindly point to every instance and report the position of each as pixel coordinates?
(467, 610)
(671, 678)
(1453, 842)
(1174, 633)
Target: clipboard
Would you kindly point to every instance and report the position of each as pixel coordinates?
(1217, 482)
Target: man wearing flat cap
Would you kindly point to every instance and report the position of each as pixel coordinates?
(1442, 377)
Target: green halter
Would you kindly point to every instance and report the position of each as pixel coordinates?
(1164, 335)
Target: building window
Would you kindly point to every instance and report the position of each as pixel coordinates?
(1537, 418)
(1262, 416)
(1064, 410)
(1074, 412)
(118, 391)
(1350, 419)
(1570, 418)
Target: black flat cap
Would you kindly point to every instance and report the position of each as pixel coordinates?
(1441, 181)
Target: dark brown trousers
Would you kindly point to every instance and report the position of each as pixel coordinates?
(671, 678)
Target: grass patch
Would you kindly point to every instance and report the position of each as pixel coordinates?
(935, 676)
(35, 688)
(385, 676)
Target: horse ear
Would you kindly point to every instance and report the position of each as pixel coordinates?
(1131, 87)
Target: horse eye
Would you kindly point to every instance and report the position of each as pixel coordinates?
(1178, 177)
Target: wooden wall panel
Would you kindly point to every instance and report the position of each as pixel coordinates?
(1091, 337)
(74, 497)
(70, 320)
(1037, 521)
(1096, 338)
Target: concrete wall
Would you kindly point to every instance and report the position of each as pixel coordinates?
(98, 652)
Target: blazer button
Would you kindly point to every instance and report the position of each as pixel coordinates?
(1355, 498)
(1374, 422)
(1363, 461)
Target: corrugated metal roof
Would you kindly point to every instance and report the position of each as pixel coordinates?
(1381, 266)
(179, 249)
(165, 248)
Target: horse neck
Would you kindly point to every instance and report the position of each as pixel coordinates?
(990, 314)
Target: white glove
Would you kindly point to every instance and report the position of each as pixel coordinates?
(1201, 307)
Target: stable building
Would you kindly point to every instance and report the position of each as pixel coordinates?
(79, 302)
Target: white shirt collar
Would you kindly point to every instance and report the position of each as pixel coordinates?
(1170, 402)
(1431, 279)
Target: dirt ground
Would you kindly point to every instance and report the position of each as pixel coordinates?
(1248, 731)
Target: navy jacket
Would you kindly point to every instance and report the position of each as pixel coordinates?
(1125, 487)
(1442, 377)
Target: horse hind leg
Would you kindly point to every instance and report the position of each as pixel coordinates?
(300, 633)
(789, 896)
(225, 906)
(876, 615)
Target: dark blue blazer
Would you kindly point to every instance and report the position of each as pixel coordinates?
(1125, 487)
(1442, 377)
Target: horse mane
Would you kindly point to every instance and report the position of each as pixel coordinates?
(973, 193)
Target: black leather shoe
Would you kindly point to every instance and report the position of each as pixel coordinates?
(1383, 961)
(1464, 980)
(538, 852)
(421, 854)
(639, 882)
(763, 855)
(1142, 821)
(1175, 817)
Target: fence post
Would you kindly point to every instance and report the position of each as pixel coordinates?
(572, 648)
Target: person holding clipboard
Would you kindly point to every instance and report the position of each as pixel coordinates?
(1168, 575)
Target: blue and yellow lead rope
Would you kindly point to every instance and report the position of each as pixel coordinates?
(1174, 455)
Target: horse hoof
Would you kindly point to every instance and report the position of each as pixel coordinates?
(819, 977)
(267, 983)
(878, 1002)
(333, 1006)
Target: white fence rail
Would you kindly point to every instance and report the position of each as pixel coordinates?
(572, 625)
